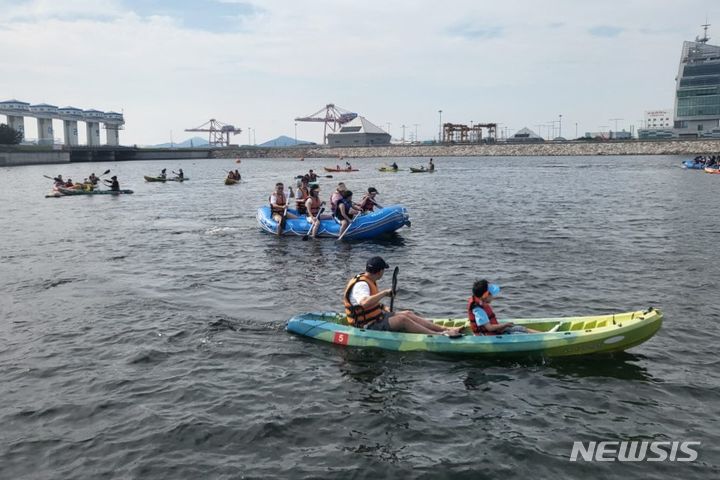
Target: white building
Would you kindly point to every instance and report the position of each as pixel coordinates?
(658, 119)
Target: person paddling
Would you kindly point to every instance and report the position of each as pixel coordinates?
(363, 307)
(312, 207)
(368, 203)
(180, 174)
(394, 166)
(481, 316)
(279, 205)
(237, 175)
(93, 179)
(345, 212)
(431, 166)
(163, 174)
(113, 184)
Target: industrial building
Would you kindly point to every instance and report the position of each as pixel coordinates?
(44, 113)
(525, 135)
(357, 132)
(697, 99)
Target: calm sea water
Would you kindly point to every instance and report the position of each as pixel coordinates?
(142, 336)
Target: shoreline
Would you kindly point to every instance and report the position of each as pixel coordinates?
(22, 155)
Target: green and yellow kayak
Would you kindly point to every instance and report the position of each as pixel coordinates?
(388, 169)
(570, 336)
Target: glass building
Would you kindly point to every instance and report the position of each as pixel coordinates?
(697, 99)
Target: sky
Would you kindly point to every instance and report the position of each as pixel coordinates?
(168, 65)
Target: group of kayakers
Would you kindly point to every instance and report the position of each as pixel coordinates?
(234, 175)
(180, 175)
(707, 160)
(88, 184)
(308, 203)
(362, 299)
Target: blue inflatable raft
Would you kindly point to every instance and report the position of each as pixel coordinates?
(693, 165)
(363, 227)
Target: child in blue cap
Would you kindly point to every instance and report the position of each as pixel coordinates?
(481, 316)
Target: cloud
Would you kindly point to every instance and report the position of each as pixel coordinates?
(221, 16)
(606, 31)
(473, 32)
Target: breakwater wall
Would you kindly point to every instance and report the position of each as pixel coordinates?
(13, 158)
(574, 148)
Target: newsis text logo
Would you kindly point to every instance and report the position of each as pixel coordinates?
(634, 451)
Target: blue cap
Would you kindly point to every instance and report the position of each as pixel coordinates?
(494, 289)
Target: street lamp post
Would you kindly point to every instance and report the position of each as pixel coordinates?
(560, 125)
(249, 138)
(388, 128)
(440, 139)
(576, 133)
(295, 133)
(403, 137)
(416, 125)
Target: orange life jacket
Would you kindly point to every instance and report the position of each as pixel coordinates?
(314, 205)
(280, 202)
(476, 302)
(357, 315)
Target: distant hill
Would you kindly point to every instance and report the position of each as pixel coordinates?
(284, 141)
(189, 143)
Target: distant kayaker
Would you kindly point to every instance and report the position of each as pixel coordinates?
(237, 175)
(180, 174)
(394, 166)
(59, 182)
(431, 166)
(368, 203)
(336, 197)
(481, 316)
(348, 166)
(113, 184)
(279, 204)
(364, 310)
(312, 176)
(69, 183)
(93, 179)
(163, 173)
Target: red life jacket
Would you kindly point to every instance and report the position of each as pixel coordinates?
(477, 302)
(367, 204)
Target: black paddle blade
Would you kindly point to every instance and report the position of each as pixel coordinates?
(106, 171)
(394, 288)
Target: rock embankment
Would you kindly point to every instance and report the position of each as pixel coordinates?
(665, 147)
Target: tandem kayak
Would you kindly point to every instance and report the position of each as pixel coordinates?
(389, 169)
(67, 192)
(161, 179)
(693, 165)
(575, 335)
(231, 181)
(421, 170)
(328, 169)
(363, 227)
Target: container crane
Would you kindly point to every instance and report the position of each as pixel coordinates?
(331, 116)
(218, 132)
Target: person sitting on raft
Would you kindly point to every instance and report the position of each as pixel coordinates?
(113, 184)
(481, 316)
(368, 203)
(312, 207)
(345, 212)
(336, 197)
(364, 310)
(279, 204)
(163, 174)
(303, 192)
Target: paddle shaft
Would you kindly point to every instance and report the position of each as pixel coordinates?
(394, 288)
(320, 212)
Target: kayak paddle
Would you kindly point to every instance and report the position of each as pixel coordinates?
(307, 235)
(394, 288)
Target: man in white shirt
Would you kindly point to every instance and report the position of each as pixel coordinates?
(364, 310)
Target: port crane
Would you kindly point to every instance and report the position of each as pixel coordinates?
(218, 132)
(331, 115)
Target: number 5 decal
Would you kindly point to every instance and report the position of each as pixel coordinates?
(340, 338)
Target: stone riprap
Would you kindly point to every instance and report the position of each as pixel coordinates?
(666, 147)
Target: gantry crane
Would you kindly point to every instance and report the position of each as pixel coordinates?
(216, 130)
(331, 116)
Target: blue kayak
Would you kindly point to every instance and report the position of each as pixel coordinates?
(693, 165)
(363, 227)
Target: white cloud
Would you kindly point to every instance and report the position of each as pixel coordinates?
(519, 62)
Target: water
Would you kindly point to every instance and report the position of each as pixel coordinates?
(143, 335)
